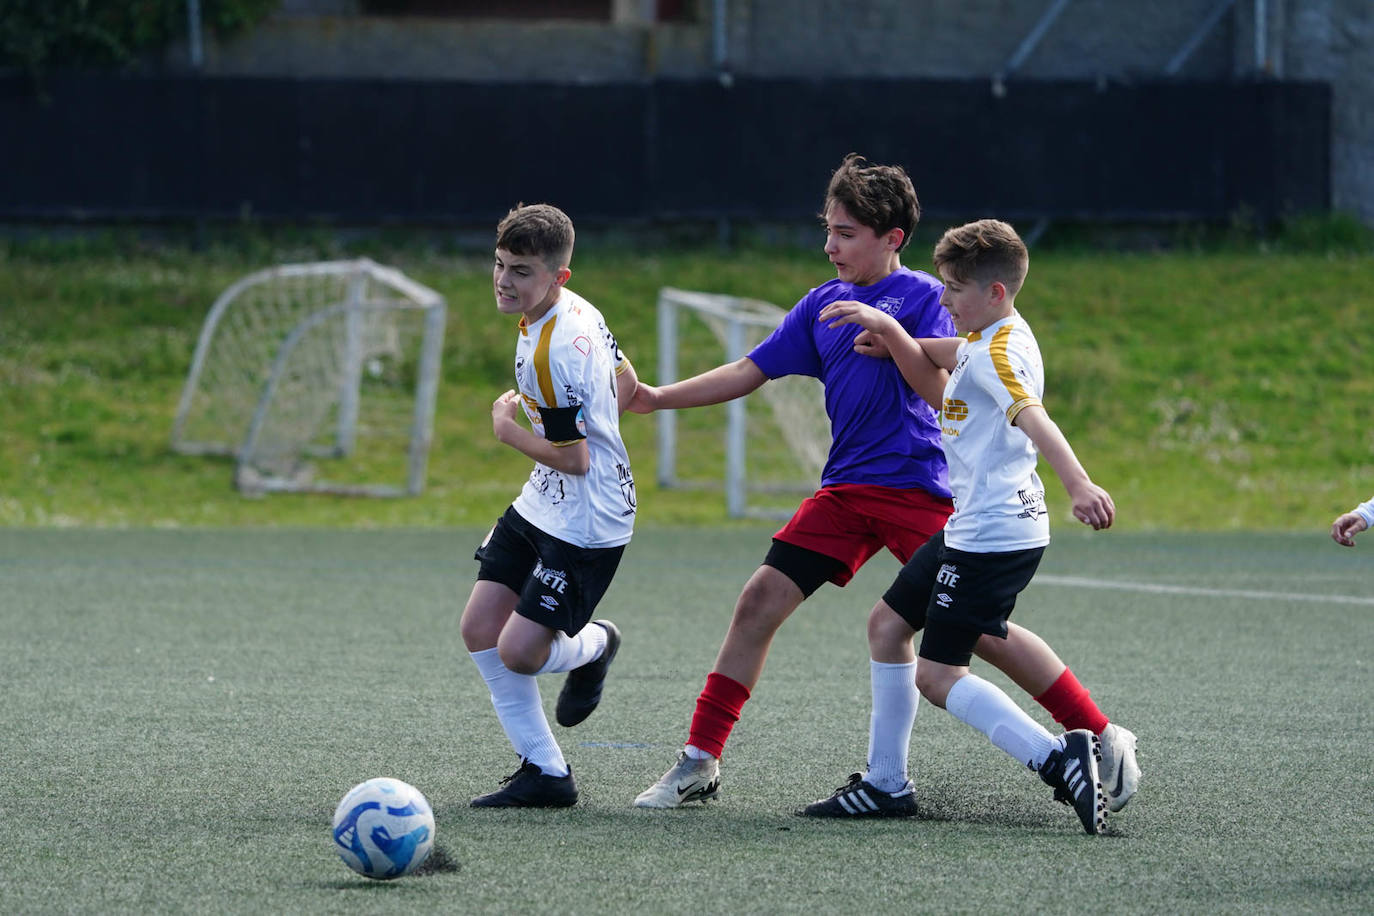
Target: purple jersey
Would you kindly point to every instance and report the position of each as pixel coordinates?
(871, 442)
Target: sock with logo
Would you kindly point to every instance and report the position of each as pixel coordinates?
(1068, 702)
(895, 702)
(718, 710)
(569, 652)
(515, 697)
(978, 703)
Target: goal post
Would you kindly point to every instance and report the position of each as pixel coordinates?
(318, 377)
(783, 425)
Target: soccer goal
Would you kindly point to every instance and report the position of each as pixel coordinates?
(775, 440)
(317, 378)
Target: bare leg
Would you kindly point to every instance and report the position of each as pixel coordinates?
(768, 599)
(1024, 657)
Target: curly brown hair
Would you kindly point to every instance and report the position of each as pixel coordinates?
(880, 197)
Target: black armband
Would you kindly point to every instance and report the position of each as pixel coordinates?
(563, 424)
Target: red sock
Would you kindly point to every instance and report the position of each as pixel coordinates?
(717, 712)
(1069, 703)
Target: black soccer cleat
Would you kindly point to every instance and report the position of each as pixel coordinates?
(857, 798)
(1073, 773)
(531, 787)
(581, 692)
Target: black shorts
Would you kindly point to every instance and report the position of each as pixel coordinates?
(956, 596)
(559, 584)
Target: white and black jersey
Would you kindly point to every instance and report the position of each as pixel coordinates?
(566, 365)
(999, 500)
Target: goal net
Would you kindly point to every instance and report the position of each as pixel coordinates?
(775, 440)
(317, 378)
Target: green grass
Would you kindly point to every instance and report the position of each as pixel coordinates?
(184, 709)
(1208, 389)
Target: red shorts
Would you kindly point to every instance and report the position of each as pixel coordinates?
(851, 522)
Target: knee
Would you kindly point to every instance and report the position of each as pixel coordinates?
(933, 682)
(520, 659)
(763, 605)
(478, 633)
(888, 633)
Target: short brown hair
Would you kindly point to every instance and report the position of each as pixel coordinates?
(880, 197)
(983, 251)
(538, 230)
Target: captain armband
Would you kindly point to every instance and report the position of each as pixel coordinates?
(563, 425)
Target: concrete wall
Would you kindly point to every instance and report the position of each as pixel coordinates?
(1117, 40)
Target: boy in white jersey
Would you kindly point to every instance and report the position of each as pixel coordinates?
(962, 584)
(550, 558)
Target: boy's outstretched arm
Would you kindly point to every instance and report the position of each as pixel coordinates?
(715, 386)
(572, 458)
(1092, 505)
(882, 336)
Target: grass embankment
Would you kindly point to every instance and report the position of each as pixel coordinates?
(1206, 391)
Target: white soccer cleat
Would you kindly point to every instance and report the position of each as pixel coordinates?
(689, 780)
(1120, 772)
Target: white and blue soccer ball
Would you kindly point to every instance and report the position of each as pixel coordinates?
(383, 828)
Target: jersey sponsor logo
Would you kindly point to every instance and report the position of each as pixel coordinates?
(582, 344)
(1032, 503)
(948, 575)
(955, 409)
(548, 483)
(889, 304)
(555, 579)
(627, 488)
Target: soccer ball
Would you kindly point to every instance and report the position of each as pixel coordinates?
(383, 828)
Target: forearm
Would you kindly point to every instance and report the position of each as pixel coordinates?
(921, 373)
(572, 458)
(1049, 440)
(723, 383)
(942, 352)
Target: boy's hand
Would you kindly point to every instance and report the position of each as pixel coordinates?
(869, 344)
(873, 322)
(645, 399)
(1345, 527)
(1093, 505)
(503, 411)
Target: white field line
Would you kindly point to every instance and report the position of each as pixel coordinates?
(1080, 582)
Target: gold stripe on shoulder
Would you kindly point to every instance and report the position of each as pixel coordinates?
(541, 363)
(997, 349)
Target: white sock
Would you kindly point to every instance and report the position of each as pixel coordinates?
(895, 702)
(521, 713)
(982, 705)
(697, 753)
(569, 652)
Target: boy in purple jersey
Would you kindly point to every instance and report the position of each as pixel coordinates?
(884, 483)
